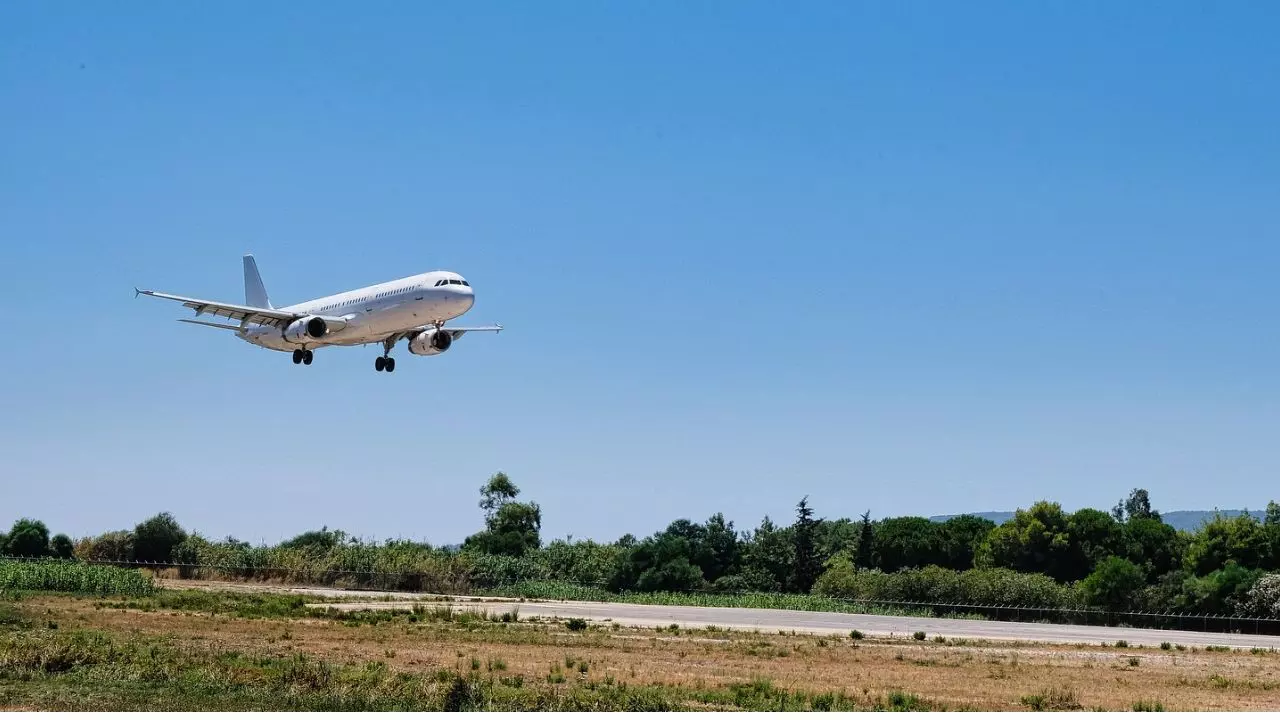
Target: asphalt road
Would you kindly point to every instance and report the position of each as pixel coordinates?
(773, 621)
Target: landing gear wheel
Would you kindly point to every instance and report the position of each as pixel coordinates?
(297, 357)
(379, 363)
(391, 364)
(307, 357)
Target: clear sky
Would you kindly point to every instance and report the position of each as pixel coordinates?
(911, 257)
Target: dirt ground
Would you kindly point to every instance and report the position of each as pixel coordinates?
(975, 675)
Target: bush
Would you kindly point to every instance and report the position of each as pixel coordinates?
(576, 624)
(1114, 584)
(939, 585)
(1263, 599)
(107, 547)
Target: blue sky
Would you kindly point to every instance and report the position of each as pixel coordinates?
(917, 258)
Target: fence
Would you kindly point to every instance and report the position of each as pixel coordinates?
(461, 582)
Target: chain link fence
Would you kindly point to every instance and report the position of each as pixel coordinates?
(466, 582)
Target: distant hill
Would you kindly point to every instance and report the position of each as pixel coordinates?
(1179, 519)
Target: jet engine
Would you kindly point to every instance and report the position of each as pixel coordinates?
(430, 342)
(305, 330)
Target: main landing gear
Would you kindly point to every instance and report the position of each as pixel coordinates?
(386, 362)
(302, 357)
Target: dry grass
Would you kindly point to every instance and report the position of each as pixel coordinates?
(981, 675)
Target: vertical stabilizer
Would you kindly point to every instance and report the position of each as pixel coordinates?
(255, 295)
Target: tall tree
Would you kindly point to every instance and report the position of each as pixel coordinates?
(1035, 540)
(1136, 506)
(28, 538)
(807, 566)
(908, 542)
(511, 528)
(1272, 518)
(866, 543)
(961, 537)
(495, 493)
(768, 557)
(155, 538)
(721, 555)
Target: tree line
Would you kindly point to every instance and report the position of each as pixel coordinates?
(1127, 558)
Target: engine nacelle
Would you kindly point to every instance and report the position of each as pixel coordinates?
(306, 330)
(430, 342)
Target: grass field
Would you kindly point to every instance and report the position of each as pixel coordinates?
(198, 650)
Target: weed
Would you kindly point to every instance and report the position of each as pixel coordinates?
(856, 634)
(939, 639)
(1166, 645)
(1134, 662)
(1122, 643)
(1047, 700)
(576, 624)
(918, 635)
(1147, 706)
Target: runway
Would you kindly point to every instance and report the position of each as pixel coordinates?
(772, 621)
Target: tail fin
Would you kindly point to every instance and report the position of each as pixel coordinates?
(255, 295)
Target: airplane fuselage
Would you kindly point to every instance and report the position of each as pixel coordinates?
(374, 312)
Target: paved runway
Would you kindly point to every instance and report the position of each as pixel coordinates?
(773, 621)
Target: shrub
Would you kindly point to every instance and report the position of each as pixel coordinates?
(1114, 584)
(918, 635)
(576, 624)
(856, 634)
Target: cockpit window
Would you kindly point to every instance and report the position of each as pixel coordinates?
(464, 282)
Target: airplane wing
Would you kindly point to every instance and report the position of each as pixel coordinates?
(457, 332)
(243, 313)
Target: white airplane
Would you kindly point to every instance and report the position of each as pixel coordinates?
(413, 309)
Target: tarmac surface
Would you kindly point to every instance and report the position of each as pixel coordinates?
(771, 621)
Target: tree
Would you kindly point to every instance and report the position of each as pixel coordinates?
(807, 567)
(1137, 505)
(907, 542)
(1114, 584)
(768, 556)
(495, 493)
(514, 530)
(1153, 544)
(1095, 536)
(1034, 540)
(961, 536)
(660, 562)
(1272, 519)
(866, 544)
(721, 548)
(316, 542)
(155, 538)
(60, 546)
(1222, 540)
(28, 538)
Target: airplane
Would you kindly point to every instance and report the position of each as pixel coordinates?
(413, 309)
